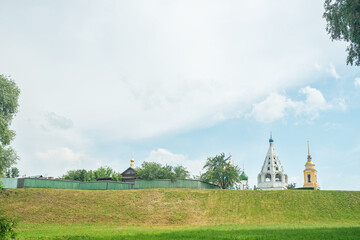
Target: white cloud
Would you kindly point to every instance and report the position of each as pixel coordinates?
(57, 160)
(313, 103)
(66, 154)
(55, 121)
(51, 149)
(340, 103)
(276, 106)
(357, 82)
(164, 156)
(271, 109)
(317, 66)
(333, 72)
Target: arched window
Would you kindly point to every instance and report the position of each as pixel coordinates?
(278, 177)
(267, 177)
(309, 178)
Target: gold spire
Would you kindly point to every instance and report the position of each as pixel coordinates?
(132, 161)
(243, 168)
(309, 160)
(230, 159)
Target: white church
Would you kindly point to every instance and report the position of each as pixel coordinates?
(272, 175)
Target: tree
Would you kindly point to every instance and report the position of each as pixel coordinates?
(181, 172)
(343, 23)
(291, 186)
(9, 94)
(153, 170)
(220, 172)
(12, 173)
(106, 172)
(83, 175)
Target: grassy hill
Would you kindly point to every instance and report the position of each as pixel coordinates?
(181, 207)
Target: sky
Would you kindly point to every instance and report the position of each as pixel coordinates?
(176, 82)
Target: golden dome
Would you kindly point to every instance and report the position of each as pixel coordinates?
(309, 162)
(132, 162)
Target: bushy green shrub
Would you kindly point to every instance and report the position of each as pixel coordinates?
(7, 228)
(6, 225)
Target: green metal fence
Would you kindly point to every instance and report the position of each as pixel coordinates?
(119, 186)
(166, 183)
(107, 185)
(47, 183)
(93, 186)
(9, 182)
(64, 184)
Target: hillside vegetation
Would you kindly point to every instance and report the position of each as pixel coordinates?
(181, 206)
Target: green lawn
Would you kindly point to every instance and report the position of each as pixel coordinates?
(90, 231)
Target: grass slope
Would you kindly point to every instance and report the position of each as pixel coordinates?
(181, 207)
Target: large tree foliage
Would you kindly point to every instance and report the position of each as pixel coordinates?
(153, 170)
(181, 172)
(343, 23)
(220, 172)
(92, 175)
(9, 94)
(12, 172)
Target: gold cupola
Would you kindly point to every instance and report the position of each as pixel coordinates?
(230, 163)
(132, 162)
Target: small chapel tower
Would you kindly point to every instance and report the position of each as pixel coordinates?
(310, 173)
(243, 180)
(272, 175)
(129, 175)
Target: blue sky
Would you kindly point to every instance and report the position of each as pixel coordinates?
(179, 81)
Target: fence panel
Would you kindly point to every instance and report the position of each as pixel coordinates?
(119, 186)
(9, 182)
(93, 185)
(47, 183)
(159, 183)
(166, 183)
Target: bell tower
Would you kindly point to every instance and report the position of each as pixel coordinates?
(310, 173)
(272, 175)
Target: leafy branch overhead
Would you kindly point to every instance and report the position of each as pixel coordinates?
(343, 23)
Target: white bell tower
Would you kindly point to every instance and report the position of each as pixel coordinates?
(272, 175)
